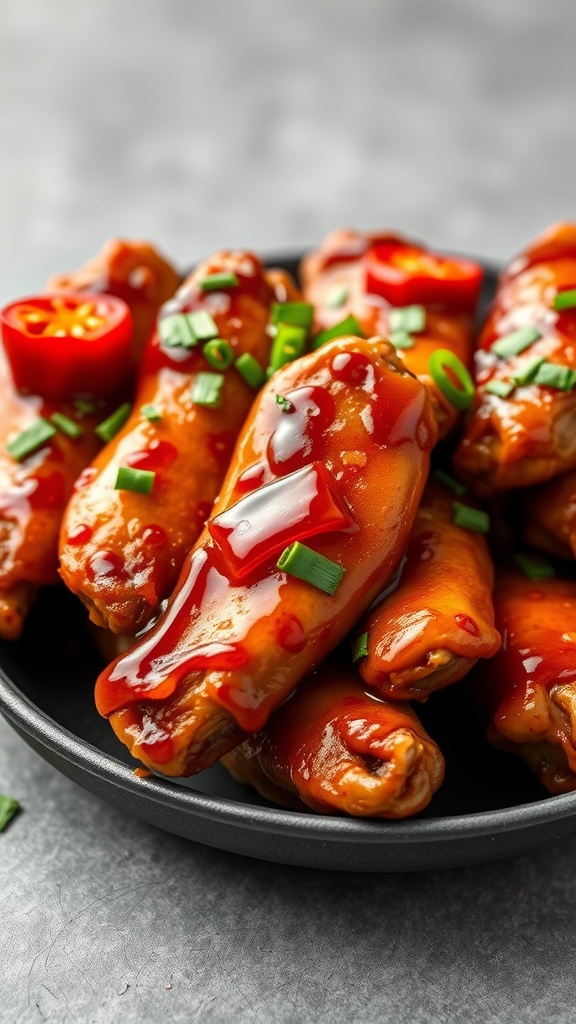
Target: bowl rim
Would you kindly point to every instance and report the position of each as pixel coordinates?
(25, 715)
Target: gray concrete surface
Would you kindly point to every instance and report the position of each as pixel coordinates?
(265, 123)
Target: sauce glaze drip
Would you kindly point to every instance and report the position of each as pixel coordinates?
(300, 429)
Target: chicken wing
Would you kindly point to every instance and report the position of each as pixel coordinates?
(335, 451)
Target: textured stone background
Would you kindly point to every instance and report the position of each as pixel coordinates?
(265, 123)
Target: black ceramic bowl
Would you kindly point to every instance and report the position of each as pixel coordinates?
(490, 806)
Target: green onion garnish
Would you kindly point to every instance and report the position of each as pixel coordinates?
(150, 412)
(440, 362)
(401, 339)
(526, 369)
(408, 318)
(218, 353)
(207, 389)
(176, 331)
(565, 300)
(284, 403)
(470, 518)
(139, 480)
(31, 439)
(516, 342)
(312, 567)
(202, 325)
(215, 282)
(552, 375)
(449, 481)
(534, 566)
(289, 344)
(110, 427)
(67, 426)
(349, 325)
(299, 314)
(84, 405)
(8, 808)
(360, 647)
(249, 368)
(502, 388)
(336, 296)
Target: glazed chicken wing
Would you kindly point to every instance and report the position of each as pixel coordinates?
(335, 746)
(34, 490)
(527, 693)
(551, 516)
(121, 550)
(312, 518)
(523, 425)
(433, 627)
(383, 280)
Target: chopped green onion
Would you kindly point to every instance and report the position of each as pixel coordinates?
(84, 405)
(408, 318)
(312, 567)
(360, 647)
(218, 353)
(176, 331)
(534, 566)
(470, 518)
(215, 282)
(502, 388)
(67, 426)
(249, 368)
(110, 427)
(139, 480)
(460, 397)
(289, 344)
(449, 481)
(299, 314)
(8, 808)
(526, 369)
(202, 325)
(565, 299)
(401, 339)
(207, 389)
(31, 439)
(516, 342)
(284, 403)
(336, 296)
(349, 325)
(552, 375)
(150, 412)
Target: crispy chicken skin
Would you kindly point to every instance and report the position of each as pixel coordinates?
(239, 633)
(134, 272)
(434, 626)
(530, 435)
(336, 747)
(132, 545)
(527, 693)
(551, 516)
(339, 262)
(33, 496)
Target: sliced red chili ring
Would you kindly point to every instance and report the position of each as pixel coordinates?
(406, 275)
(59, 346)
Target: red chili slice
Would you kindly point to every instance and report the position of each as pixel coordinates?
(63, 345)
(405, 275)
